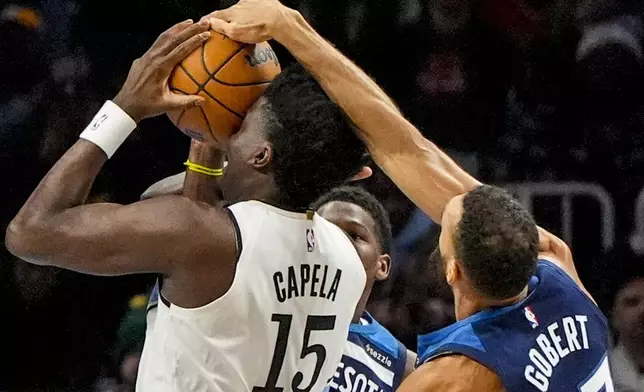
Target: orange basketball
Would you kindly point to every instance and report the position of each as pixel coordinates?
(231, 76)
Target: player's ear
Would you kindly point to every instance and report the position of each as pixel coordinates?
(383, 267)
(263, 156)
(453, 271)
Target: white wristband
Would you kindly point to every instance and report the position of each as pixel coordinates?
(109, 128)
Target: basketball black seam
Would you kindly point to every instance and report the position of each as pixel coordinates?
(201, 87)
(232, 56)
(180, 117)
(223, 64)
(214, 75)
(203, 112)
(212, 131)
(175, 90)
(240, 84)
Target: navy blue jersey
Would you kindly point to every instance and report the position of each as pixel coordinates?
(373, 360)
(555, 340)
(153, 301)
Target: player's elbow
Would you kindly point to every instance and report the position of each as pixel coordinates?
(22, 238)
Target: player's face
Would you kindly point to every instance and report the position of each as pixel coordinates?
(247, 152)
(361, 228)
(449, 221)
(629, 310)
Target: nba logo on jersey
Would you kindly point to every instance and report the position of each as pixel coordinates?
(310, 240)
(532, 318)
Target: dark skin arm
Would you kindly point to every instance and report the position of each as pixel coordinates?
(202, 187)
(55, 228)
(195, 186)
(170, 235)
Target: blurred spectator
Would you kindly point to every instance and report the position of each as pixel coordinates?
(127, 348)
(24, 71)
(627, 358)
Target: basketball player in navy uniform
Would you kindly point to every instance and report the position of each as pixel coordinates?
(256, 296)
(373, 359)
(526, 322)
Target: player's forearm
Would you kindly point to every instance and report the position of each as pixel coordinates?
(349, 86)
(202, 187)
(67, 185)
(418, 167)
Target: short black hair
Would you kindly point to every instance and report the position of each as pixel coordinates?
(497, 241)
(315, 147)
(366, 201)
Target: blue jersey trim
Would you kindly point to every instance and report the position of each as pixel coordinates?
(401, 365)
(599, 365)
(373, 338)
(426, 342)
(377, 334)
(153, 300)
(459, 349)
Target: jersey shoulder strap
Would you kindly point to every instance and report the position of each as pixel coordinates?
(459, 338)
(381, 345)
(153, 300)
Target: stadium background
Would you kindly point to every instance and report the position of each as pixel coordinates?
(542, 96)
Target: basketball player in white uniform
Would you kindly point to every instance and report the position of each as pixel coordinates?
(257, 296)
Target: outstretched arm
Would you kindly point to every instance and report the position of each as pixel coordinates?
(428, 176)
(417, 166)
(55, 228)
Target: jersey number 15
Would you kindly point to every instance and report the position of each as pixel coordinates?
(313, 323)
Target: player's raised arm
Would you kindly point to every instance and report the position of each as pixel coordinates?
(54, 227)
(419, 168)
(428, 176)
(204, 166)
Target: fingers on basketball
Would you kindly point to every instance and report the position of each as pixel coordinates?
(230, 76)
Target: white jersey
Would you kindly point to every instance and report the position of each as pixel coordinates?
(282, 324)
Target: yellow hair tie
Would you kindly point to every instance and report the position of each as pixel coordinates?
(203, 169)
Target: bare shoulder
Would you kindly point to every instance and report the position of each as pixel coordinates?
(555, 250)
(453, 373)
(199, 226)
(208, 252)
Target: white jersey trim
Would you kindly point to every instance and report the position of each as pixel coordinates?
(278, 211)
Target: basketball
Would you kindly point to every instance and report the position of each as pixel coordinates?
(231, 76)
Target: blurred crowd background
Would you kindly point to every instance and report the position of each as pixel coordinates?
(543, 97)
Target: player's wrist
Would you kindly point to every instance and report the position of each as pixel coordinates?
(125, 104)
(291, 22)
(206, 155)
(109, 128)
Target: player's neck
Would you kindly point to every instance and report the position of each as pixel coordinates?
(362, 304)
(262, 188)
(470, 304)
